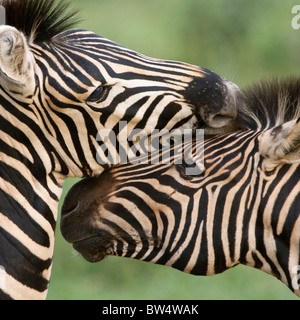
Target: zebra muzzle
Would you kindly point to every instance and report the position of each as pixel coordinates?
(94, 248)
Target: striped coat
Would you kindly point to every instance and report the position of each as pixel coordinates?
(242, 207)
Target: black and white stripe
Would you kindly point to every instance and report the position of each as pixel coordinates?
(58, 89)
(242, 209)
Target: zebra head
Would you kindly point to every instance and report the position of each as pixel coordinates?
(242, 208)
(76, 84)
(59, 90)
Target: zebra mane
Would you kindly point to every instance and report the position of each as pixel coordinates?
(271, 103)
(39, 20)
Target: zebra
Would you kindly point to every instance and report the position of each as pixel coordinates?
(243, 208)
(59, 87)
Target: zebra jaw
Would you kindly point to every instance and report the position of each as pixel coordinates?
(94, 248)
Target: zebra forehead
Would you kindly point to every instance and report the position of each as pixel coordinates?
(98, 48)
(51, 21)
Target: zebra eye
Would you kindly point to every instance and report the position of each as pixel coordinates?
(97, 95)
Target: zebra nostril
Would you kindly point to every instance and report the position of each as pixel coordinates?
(223, 118)
(219, 121)
(69, 208)
(227, 114)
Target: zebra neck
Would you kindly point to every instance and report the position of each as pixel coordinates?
(28, 213)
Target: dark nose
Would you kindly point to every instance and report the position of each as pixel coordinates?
(216, 100)
(81, 194)
(81, 203)
(223, 111)
(69, 218)
(73, 199)
(73, 209)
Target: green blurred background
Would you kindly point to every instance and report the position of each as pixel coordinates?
(244, 41)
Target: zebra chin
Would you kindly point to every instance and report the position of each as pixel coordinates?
(94, 248)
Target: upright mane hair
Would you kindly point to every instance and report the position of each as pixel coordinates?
(271, 103)
(39, 20)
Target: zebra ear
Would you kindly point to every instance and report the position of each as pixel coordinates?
(281, 144)
(16, 61)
